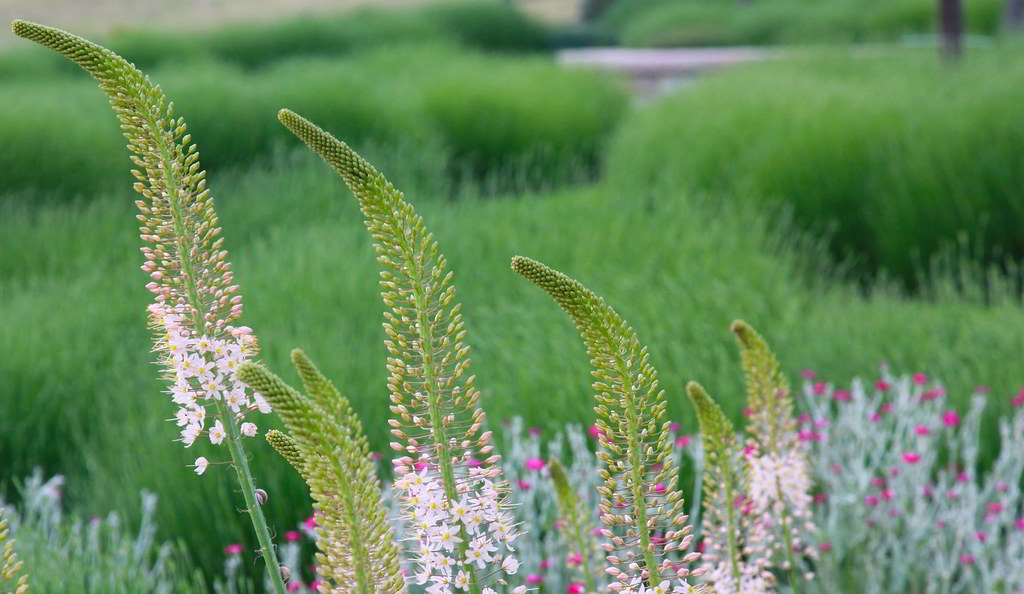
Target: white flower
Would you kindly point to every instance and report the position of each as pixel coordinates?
(217, 434)
(201, 464)
(249, 429)
(510, 565)
(190, 433)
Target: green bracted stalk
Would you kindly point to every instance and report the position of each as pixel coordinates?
(444, 462)
(718, 438)
(637, 467)
(135, 99)
(570, 509)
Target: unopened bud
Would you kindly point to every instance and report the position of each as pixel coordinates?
(261, 497)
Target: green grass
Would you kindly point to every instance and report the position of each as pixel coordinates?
(898, 154)
(481, 114)
(769, 22)
(81, 397)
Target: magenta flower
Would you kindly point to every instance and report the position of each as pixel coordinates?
(995, 507)
(659, 488)
(871, 501)
(825, 547)
(962, 477)
(1002, 487)
(674, 426)
(842, 396)
(922, 430)
(524, 485)
(877, 481)
(534, 432)
(294, 586)
(310, 522)
(887, 494)
(576, 588)
(535, 463)
(950, 418)
(574, 559)
(807, 374)
(882, 385)
(932, 394)
(594, 431)
(545, 564)
(233, 549)
(375, 456)
(683, 440)
(967, 559)
(748, 412)
(980, 536)
(911, 457)
(474, 462)
(1019, 523)
(920, 379)
(534, 578)
(819, 388)
(1018, 400)
(820, 497)
(291, 536)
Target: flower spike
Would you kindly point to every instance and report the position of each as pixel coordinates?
(10, 565)
(578, 528)
(357, 551)
(641, 505)
(450, 483)
(196, 303)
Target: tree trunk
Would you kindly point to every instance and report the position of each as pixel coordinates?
(1014, 15)
(951, 28)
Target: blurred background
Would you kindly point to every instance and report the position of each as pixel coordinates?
(846, 175)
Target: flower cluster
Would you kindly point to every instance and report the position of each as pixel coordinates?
(202, 372)
(476, 518)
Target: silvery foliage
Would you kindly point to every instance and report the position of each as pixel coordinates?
(933, 525)
(67, 554)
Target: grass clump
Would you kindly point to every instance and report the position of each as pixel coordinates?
(894, 155)
(708, 22)
(479, 131)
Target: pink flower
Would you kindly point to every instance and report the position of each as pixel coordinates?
(877, 481)
(820, 497)
(871, 501)
(659, 488)
(535, 463)
(310, 522)
(836, 469)
(534, 578)
(474, 462)
(950, 418)
(574, 559)
(534, 432)
(927, 491)
(821, 423)
(748, 412)
(819, 388)
(980, 536)
(291, 536)
(233, 549)
(1002, 487)
(882, 385)
(920, 379)
(1018, 400)
(683, 440)
(922, 430)
(315, 586)
(809, 436)
(375, 456)
(803, 418)
(876, 417)
(807, 374)
(576, 588)
(981, 389)
(911, 457)
(886, 407)
(967, 559)
(995, 507)
(842, 396)
(545, 564)
(887, 494)
(825, 547)
(294, 586)
(749, 450)
(594, 431)
(962, 477)
(1019, 523)
(524, 485)
(932, 394)
(674, 426)
(952, 494)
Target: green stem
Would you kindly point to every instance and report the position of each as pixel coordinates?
(637, 468)
(238, 458)
(581, 540)
(424, 330)
(734, 554)
(355, 530)
(787, 536)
